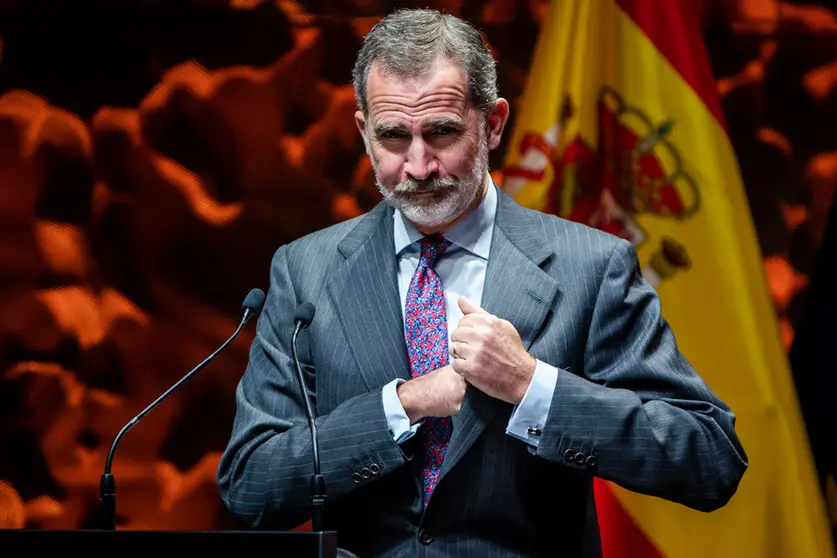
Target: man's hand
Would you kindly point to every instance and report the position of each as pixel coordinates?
(436, 394)
(488, 352)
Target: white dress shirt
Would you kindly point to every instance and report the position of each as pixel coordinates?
(462, 271)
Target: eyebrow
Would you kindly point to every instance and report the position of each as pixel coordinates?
(442, 122)
(386, 127)
(430, 125)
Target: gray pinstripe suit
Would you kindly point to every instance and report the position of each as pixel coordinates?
(627, 406)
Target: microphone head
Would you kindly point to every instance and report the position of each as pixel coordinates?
(304, 313)
(253, 301)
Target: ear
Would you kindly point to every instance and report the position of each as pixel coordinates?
(360, 122)
(498, 115)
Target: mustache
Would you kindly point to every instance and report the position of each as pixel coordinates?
(411, 186)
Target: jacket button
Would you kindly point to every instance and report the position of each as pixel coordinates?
(592, 461)
(365, 473)
(569, 454)
(579, 458)
(375, 468)
(425, 537)
(356, 478)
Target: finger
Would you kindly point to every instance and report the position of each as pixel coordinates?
(461, 367)
(465, 352)
(469, 307)
(464, 334)
(461, 351)
(458, 366)
(473, 320)
(454, 349)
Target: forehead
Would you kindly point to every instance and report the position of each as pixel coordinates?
(443, 90)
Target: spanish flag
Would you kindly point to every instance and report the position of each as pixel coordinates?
(620, 127)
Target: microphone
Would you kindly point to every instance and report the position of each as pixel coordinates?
(304, 315)
(107, 485)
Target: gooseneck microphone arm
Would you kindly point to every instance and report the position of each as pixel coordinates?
(304, 315)
(107, 485)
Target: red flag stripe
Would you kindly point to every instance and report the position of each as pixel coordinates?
(674, 28)
(621, 536)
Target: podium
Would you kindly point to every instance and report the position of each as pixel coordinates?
(38, 542)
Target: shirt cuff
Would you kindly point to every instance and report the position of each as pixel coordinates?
(397, 419)
(528, 419)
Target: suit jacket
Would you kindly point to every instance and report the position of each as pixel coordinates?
(627, 406)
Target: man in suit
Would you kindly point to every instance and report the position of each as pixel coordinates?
(474, 364)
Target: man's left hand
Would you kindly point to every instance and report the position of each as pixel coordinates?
(487, 351)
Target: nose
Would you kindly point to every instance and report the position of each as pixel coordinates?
(421, 162)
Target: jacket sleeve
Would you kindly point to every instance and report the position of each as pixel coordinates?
(265, 471)
(638, 414)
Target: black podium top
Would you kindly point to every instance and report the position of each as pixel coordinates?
(37, 542)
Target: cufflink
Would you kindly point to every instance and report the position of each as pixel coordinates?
(533, 431)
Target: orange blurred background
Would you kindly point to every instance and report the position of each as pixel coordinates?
(154, 155)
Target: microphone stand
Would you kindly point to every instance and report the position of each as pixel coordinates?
(107, 484)
(318, 484)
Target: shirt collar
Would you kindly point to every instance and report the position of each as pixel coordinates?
(473, 233)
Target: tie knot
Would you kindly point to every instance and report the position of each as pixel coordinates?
(432, 247)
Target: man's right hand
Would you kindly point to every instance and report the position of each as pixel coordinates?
(436, 394)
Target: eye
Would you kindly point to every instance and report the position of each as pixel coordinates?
(444, 131)
(393, 134)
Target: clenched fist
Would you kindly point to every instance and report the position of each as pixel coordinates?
(436, 394)
(487, 351)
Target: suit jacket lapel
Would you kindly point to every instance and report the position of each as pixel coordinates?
(516, 289)
(364, 292)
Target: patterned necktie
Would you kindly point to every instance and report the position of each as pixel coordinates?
(426, 333)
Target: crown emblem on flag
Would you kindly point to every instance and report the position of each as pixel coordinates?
(631, 169)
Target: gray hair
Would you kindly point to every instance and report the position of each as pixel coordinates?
(407, 43)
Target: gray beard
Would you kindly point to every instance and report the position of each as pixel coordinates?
(449, 199)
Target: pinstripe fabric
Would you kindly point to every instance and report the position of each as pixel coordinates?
(625, 396)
